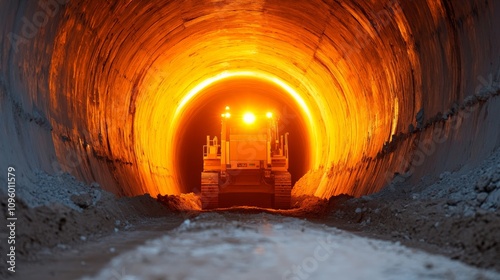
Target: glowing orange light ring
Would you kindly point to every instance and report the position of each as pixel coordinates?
(311, 126)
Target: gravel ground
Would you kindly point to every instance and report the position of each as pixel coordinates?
(457, 215)
(62, 212)
(265, 246)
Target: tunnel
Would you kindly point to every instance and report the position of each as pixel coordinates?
(124, 92)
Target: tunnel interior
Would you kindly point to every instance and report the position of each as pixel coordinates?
(125, 92)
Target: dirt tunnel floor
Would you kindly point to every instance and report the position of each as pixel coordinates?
(243, 245)
(90, 233)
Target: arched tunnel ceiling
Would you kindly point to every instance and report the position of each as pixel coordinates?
(115, 79)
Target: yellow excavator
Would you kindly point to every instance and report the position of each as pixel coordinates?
(248, 166)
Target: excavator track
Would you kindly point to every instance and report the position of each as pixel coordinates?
(209, 190)
(282, 190)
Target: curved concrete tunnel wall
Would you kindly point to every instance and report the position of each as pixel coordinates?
(99, 88)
